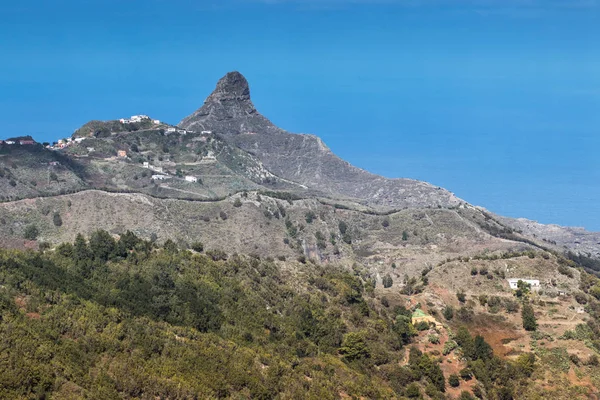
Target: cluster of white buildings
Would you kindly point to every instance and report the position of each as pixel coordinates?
(138, 118)
(514, 283)
(23, 142)
(62, 143)
(154, 168)
(161, 174)
(171, 130)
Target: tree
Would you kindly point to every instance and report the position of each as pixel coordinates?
(223, 215)
(354, 346)
(386, 222)
(453, 380)
(448, 312)
(461, 296)
(523, 289)
(404, 236)
(198, 246)
(343, 227)
(31, 232)
(53, 177)
(237, 203)
(528, 315)
(57, 219)
(387, 281)
(102, 245)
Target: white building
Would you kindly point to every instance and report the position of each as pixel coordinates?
(146, 164)
(182, 131)
(206, 132)
(160, 177)
(156, 122)
(138, 118)
(535, 283)
(79, 139)
(191, 179)
(9, 142)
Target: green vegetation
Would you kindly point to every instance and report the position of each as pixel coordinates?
(387, 281)
(31, 232)
(109, 317)
(529, 321)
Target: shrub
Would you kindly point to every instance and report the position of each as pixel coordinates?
(343, 227)
(310, 217)
(453, 380)
(483, 299)
(223, 215)
(387, 281)
(413, 391)
(461, 296)
(448, 312)
(474, 271)
(449, 347)
(404, 236)
(56, 219)
(198, 246)
(31, 232)
(237, 203)
(386, 222)
(466, 374)
(433, 338)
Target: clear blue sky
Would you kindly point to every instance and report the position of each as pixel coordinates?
(495, 100)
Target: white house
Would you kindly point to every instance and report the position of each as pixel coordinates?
(535, 283)
(138, 118)
(146, 164)
(181, 131)
(191, 179)
(156, 121)
(9, 142)
(79, 139)
(206, 132)
(160, 177)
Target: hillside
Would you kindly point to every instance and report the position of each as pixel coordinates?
(228, 258)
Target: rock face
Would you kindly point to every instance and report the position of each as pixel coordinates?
(228, 110)
(303, 159)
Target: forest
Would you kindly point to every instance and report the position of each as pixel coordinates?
(106, 318)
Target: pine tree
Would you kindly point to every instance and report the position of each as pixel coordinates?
(529, 321)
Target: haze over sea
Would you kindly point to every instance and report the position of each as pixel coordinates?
(496, 101)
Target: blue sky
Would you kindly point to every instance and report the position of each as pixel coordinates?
(497, 101)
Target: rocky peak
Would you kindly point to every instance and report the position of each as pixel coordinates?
(232, 86)
(228, 110)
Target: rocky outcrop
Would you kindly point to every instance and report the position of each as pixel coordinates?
(303, 159)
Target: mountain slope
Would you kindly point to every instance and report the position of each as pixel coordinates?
(304, 159)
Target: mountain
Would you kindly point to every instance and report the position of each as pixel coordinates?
(303, 159)
(228, 258)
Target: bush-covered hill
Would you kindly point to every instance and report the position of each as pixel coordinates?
(105, 318)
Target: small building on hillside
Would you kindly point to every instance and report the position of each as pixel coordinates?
(160, 177)
(9, 142)
(26, 142)
(79, 139)
(121, 154)
(514, 283)
(191, 179)
(146, 164)
(206, 132)
(420, 316)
